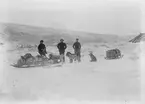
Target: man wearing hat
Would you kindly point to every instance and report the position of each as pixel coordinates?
(42, 49)
(61, 47)
(77, 49)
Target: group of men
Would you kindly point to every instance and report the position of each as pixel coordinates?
(61, 47)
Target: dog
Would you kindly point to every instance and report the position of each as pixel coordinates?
(72, 57)
(25, 60)
(55, 58)
(93, 58)
(41, 60)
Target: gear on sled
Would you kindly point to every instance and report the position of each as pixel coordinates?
(113, 54)
(33, 61)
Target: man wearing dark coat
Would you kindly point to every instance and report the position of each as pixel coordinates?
(42, 49)
(61, 47)
(77, 49)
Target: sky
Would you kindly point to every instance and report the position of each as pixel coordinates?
(121, 17)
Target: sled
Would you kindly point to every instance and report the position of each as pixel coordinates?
(40, 64)
(114, 58)
(28, 61)
(37, 66)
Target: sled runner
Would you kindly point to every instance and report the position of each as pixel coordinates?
(32, 66)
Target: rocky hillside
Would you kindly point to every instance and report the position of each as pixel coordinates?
(24, 34)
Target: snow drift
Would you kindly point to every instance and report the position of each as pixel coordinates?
(104, 81)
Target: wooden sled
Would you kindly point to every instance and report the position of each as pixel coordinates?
(108, 58)
(35, 66)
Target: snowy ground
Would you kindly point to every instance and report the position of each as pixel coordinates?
(116, 81)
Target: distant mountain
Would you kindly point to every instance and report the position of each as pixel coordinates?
(32, 35)
(138, 38)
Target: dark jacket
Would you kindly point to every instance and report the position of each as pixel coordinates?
(41, 47)
(61, 46)
(77, 45)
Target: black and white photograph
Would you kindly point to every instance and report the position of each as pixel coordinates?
(72, 51)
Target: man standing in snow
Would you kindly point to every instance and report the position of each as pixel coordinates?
(42, 49)
(61, 47)
(77, 49)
